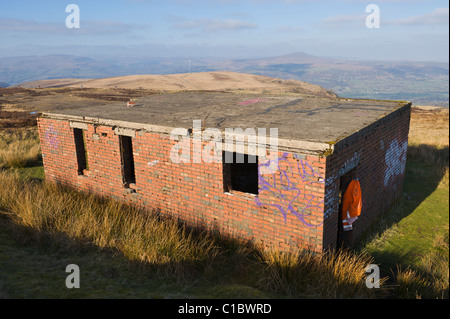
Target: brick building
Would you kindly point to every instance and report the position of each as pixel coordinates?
(169, 153)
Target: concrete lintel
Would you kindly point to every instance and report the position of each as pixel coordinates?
(79, 125)
(125, 131)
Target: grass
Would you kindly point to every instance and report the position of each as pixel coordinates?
(19, 147)
(304, 275)
(411, 240)
(35, 271)
(65, 221)
(123, 252)
(430, 279)
(58, 213)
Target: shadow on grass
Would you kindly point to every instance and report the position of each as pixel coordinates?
(105, 271)
(426, 171)
(426, 167)
(222, 275)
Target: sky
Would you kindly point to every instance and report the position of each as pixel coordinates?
(416, 30)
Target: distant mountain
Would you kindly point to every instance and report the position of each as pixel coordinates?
(21, 69)
(423, 83)
(3, 85)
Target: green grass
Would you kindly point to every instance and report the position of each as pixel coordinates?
(410, 242)
(35, 171)
(413, 225)
(31, 271)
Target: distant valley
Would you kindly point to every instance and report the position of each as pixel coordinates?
(423, 83)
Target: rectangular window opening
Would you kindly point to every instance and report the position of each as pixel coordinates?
(127, 160)
(240, 172)
(80, 147)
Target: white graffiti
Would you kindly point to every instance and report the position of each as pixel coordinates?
(350, 164)
(153, 163)
(395, 160)
(332, 202)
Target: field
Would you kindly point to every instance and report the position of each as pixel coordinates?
(123, 253)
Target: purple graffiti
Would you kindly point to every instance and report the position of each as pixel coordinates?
(51, 137)
(285, 190)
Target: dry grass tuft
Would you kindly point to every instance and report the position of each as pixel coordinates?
(339, 274)
(69, 217)
(19, 147)
(429, 142)
(435, 264)
(409, 284)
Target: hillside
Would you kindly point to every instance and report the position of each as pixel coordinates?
(424, 83)
(204, 81)
(47, 95)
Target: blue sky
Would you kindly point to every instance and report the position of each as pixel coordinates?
(409, 29)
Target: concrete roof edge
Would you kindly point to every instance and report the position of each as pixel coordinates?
(347, 139)
(318, 148)
(314, 147)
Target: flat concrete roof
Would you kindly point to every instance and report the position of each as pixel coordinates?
(303, 122)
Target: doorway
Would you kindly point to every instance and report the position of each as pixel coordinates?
(344, 238)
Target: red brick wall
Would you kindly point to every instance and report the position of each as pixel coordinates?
(297, 205)
(378, 155)
(288, 212)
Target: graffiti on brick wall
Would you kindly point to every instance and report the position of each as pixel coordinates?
(152, 163)
(332, 189)
(332, 198)
(395, 160)
(350, 164)
(51, 137)
(277, 183)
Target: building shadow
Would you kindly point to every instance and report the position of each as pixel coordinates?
(426, 167)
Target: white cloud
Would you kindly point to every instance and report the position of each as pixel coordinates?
(439, 16)
(213, 25)
(87, 27)
(30, 26)
(289, 28)
(436, 17)
(340, 21)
